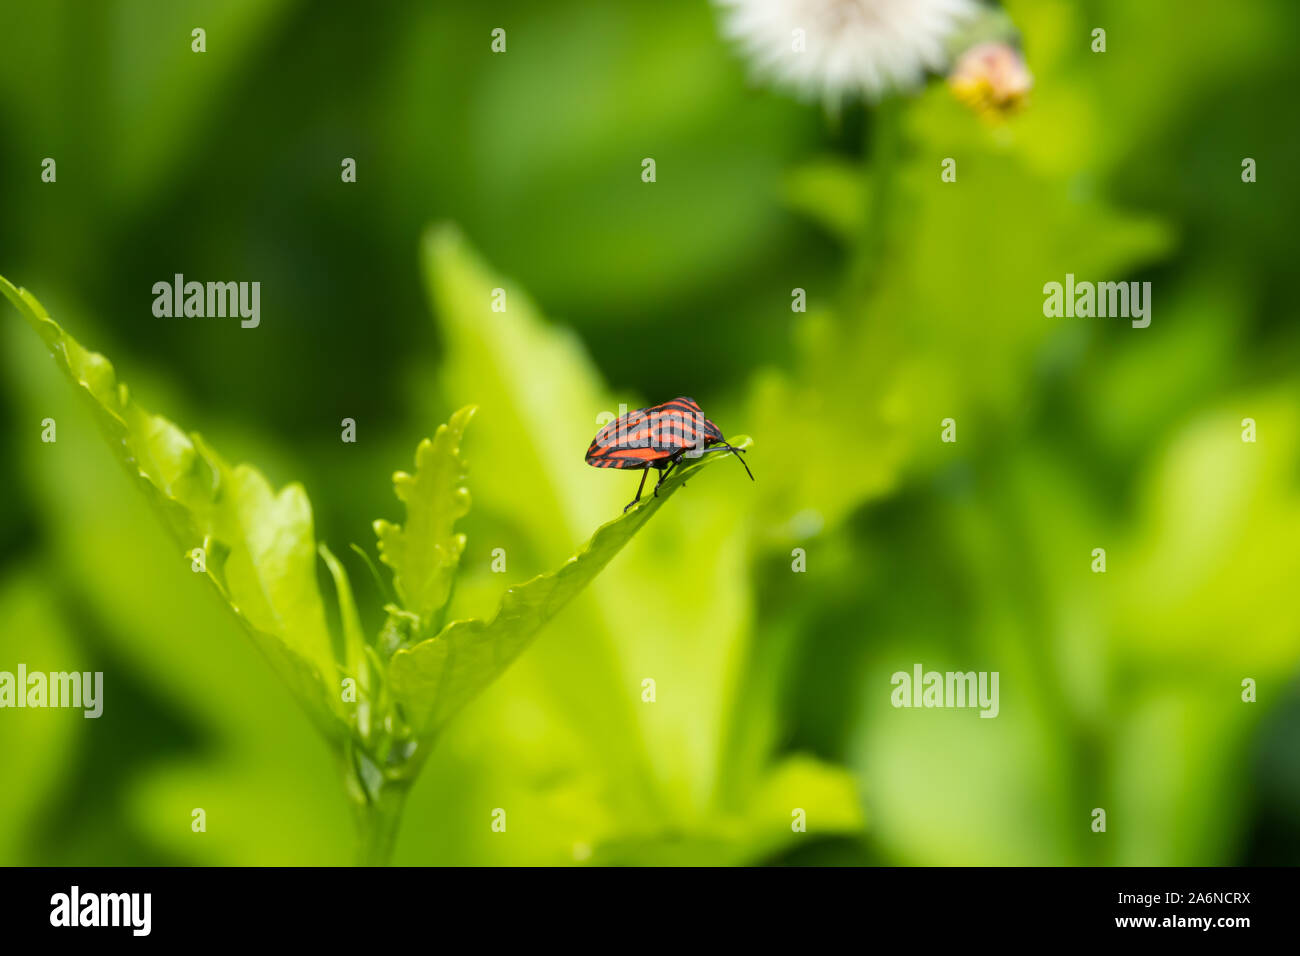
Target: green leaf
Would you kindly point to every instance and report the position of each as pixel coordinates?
(437, 677)
(425, 552)
(538, 392)
(833, 192)
(760, 830)
(35, 747)
(259, 545)
(542, 398)
(355, 659)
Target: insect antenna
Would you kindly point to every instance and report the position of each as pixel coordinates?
(735, 451)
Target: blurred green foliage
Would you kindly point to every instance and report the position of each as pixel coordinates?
(1119, 690)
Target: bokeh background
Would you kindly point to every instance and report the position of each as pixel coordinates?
(1119, 690)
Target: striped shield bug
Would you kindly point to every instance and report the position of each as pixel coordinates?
(658, 437)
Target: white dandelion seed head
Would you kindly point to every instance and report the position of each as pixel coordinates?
(836, 50)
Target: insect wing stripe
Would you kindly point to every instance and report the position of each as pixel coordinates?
(627, 458)
(663, 431)
(678, 424)
(615, 433)
(666, 434)
(694, 414)
(681, 405)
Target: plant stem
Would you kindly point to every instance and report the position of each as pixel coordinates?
(377, 799)
(879, 165)
(378, 820)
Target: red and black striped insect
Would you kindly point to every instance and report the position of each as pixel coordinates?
(660, 438)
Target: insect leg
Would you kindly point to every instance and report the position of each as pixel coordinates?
(644, 473)
(664, 474)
